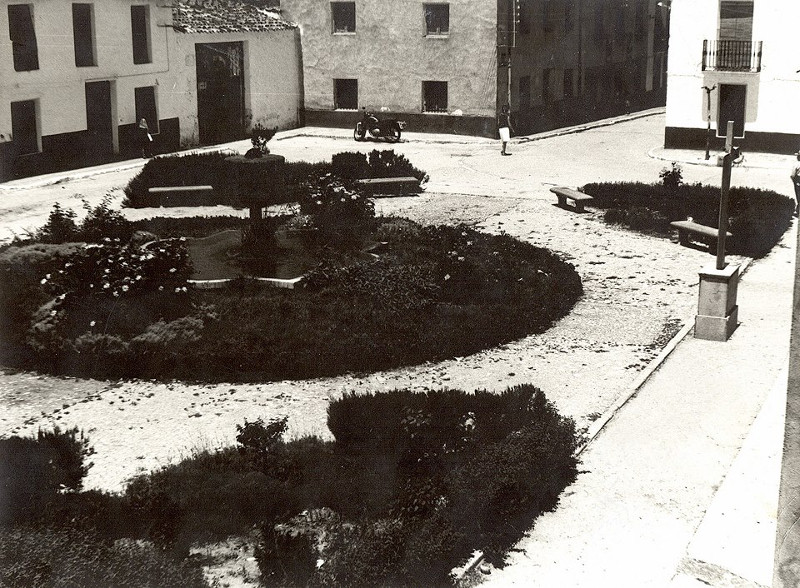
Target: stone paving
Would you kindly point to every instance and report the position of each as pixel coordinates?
(638, 292)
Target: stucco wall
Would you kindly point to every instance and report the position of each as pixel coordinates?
(59, 85)
(772, 94)
(272, 79)
(390, 55)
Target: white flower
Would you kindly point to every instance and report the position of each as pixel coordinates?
(53, 312)
(177, 290)
(106, 271)
(44, 281)
(172, 270)
(93, 323)
(116, 294)
(319, 202)
(460, 258)
(106, 286)
(47, 276)
(125, 288)
(161, 288)
(182, 239)
(447, 277)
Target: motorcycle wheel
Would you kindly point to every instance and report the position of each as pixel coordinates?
(394, 133)
(358, 133)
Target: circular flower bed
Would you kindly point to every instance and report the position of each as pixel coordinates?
(118, 310)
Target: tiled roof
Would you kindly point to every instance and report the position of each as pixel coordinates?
(224, 16)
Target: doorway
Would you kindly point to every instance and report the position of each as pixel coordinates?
(220, 91)
(732, 105)
(99, 121)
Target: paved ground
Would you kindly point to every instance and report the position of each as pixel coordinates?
(650, 476)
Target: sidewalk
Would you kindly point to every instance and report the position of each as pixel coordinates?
(680, 489)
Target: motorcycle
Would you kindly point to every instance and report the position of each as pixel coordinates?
(388, 129)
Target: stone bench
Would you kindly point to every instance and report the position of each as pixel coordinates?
(399, 185)
(688, 228)
(577, 198)
(180, 195)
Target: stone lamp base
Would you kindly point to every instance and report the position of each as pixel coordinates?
(717, 311)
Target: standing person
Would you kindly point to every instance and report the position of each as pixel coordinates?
(504, 127)
(145, 139)
(796, 181)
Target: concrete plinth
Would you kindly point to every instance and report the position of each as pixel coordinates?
(717, 312)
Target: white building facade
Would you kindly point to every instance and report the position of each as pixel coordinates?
(734, 60)
(76, 77)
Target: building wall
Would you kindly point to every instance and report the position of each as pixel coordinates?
(390, 56)
(272, 70)
(613, 67)
(59, 85)
(273, 89)
(772, 120)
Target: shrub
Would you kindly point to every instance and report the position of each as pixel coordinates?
(33, 470)
(757, 218)
(671, 177)
(103, 222)
(60, 226)
(343, 217)
(196, 169)
(73, 557)
(377, 164)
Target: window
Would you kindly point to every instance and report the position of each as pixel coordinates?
(83, 34)
(145, 98)
(524, 92)
(641, 21)
(344, 17)
(140, 33)
(547, 85)
(24, 130)
(434, 96)
(736, 20)
(524, 16)
(547, 16)
(437, 19)
(569, 16)
(599, 25)
(345, 94)
(569, 84)
(23, 37)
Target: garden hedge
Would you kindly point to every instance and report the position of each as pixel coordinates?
(211, 169)
(757, 218)
(437, 292)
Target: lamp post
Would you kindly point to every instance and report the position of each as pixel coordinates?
(708, 118)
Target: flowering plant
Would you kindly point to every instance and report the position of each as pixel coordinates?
(342, 215)
(110, 268)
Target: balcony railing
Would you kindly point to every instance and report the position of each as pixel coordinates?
(724, 55)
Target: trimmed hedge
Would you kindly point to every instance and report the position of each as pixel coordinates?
(438, 292)
(757, 218)
(369, 513)
(210, 169)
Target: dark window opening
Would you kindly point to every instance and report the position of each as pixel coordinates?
(140, 31)
(23, 37)
(344, 17)
(434, 96)
(145, 99)
(569, 16)
(736, 20)
(524, 92)
(547, 16)
(437, 19)
(524, 17)
(732, 106)
(345, 94)
(24, 131)
(83, 34)
(547, 80)
(569, 84)
(599, 25)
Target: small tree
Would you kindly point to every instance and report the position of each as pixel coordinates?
(259, 138)
(672, 177)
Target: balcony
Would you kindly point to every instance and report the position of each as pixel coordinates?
(724, 55)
